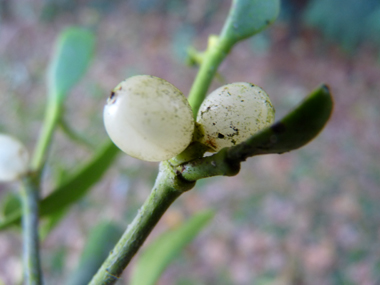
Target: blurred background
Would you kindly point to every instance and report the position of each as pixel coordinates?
(311, 216)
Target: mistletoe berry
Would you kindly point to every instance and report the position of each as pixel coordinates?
(148, 118)
(233, 113)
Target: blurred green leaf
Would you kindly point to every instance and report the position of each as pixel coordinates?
(295, 130)
(102, 239)
(373, 25)
(55, 261)
(249, 17)
(51, 222)
(10, 203)
(158, 255)
(344, 27)
(73, 52)
(73, 189)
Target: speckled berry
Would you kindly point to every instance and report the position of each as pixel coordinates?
(233, 113)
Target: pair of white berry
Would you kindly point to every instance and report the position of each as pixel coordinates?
(150, 119)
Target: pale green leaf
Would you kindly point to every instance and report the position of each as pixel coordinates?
(73, 52)
(249, 17)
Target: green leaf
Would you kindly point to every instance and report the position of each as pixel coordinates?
(157, 256)
(73, 189)
(50, 223)
(247, 18)
(100, 242)
(73, 52)
(295, 130)
(10, 203)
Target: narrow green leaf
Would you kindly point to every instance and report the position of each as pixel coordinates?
(247, 18)
(101, 240)
(77, 187)
(295, 130)
(157, 256)
(73, 52)
(73, 189)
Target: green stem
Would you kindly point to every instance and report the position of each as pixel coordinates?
(217, 164)
(52, 114)
(213, 57)
(168, 187)
(31, 256)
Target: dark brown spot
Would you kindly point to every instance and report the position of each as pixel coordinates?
(278, 128)
(112, 98)
(235, 129)
(220, 136)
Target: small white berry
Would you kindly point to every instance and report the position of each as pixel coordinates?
(149, 118)
(233, 113)
(14, 159)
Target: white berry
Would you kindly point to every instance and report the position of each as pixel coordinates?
(233, 113)
(14, 159)
(149, 118)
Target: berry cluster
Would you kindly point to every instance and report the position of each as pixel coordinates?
(150, 119)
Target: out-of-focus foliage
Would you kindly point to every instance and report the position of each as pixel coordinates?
(9, 204)
(347, 22)
(73, 188)
(101, 240)
(158, 255)
(53, 8)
